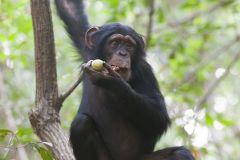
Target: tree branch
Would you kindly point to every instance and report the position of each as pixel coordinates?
(210, 57)
(217, 81)
(44, 117)
(150, 22)
(65, 94)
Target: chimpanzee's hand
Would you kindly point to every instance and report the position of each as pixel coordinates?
(104, 77)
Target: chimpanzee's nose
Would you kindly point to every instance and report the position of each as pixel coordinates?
(122, 53)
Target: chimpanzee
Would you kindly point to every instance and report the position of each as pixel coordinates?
(122, 112)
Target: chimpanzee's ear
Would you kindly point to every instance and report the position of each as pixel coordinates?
(142, 40)
(88, 37)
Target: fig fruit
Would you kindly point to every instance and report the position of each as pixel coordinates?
(97, 64)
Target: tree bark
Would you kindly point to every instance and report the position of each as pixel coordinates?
(44, 117)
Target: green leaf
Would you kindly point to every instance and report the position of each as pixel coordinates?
(227, 122)
(44, 153)
(209, 120)
(169, 37)
(24, 132)
(198, 21)
(160, 15)
(4, 133)
(2, 57)
(24, 61)
(190, 4)
(113, 3)
(24, 135)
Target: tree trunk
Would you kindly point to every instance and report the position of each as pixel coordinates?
(44, 117)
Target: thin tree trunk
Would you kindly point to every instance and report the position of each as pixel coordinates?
(44, 117)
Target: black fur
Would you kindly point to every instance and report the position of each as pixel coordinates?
(117, 120)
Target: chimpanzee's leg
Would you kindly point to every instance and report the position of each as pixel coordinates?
(86, 142)
(173, 153)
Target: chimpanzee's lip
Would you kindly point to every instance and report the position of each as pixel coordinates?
(117, 68)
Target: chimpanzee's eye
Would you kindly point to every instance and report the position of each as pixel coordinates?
(130, 48)
(114, 44)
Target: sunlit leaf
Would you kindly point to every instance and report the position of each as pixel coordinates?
(24, 132)
(209, 120)
(227, 122)
(113, 3)
(24, 135)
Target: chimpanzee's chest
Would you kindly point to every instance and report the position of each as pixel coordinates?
(118, 133)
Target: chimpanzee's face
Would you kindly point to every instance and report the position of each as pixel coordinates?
(118, 51)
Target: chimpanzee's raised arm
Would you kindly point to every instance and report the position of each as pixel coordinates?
(76, 22)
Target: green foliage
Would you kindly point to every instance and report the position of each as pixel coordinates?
(25, 135)
(22, 138)
(4, 133)
(45, 154)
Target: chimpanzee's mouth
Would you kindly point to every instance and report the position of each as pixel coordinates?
(123, 71)
(119, 69)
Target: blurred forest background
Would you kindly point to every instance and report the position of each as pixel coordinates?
(193, 46)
